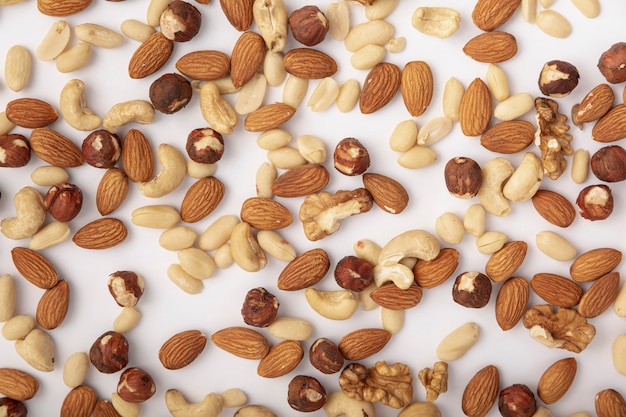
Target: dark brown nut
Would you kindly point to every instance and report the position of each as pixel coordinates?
(306, 394)
(126, 287)
(260, 307)
(135, 385)
(472, 289)
(308, 25)
(463, 177)
(63, 201)
(351, 157)
(109, 353)
(325, 356)
(609, 163)
(205, 145)
(354, 273)
(612, 63)
(180, 21)
(595, 202)
(12, 408)
(170, 93)
(14, 150)
(102, 149)
(558, 78)
(517, 400)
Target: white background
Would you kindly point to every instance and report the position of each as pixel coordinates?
(167, 310)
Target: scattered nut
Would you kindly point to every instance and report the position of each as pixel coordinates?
(558, 78)
(472, 289)
(109, 353)
(180, 21)
(63, 201)
(102, 149)
(351, 157)
(354, 273)
(325, 356)
(517, 400)
(308, 25)
(463, 177)
(612, 63)
(595, 202)
(135, 385)
(205, 145)
(170, 93)
(126, 287)
(260, 307)
(306, 394)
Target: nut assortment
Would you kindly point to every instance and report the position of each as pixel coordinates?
(181, 176)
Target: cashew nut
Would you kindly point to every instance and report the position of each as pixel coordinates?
(399, 274)
(139, 111)
(368, 250)
(525, 180)
(338, 403)
(174, 169)
(334, 305)
(216, 110)
(210, 406)
(253, 410)
(73, 107)
(245, 249)
(495, 173)
(413, 243)
(30, 215)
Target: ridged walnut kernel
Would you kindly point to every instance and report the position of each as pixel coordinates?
(353, 273)
(306, 394)
(260, 307)
(308, 25)
(126, 287)
(63, 201)
(325, 356)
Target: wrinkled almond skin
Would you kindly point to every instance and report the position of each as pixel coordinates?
(201, 199)
(62, 8)
(489, 15)
(380, 87)
(80, 401)
(55, 149)
(554, 207)
(53, 305)
(594, 263)
(594, 105)
(430, 274)
(503, 263)
(204, 65)
(600, 295)
(242, 342)
(18, 384)
(481, 392)
(304, 270)
(508, 137)
(610, 403)
(150, 56)
(301, 181)
(246, 57)
(265, 213)
(268, 117)
(491, 47)
(137, 156)
(511, 302)
(363, 343)
(393, 298)
(611, 126)
(182, 348)
(34, 267)
(31, 112)
(102, 233)
(476, 108)
(556, 380)
(238, 13)
(417, 87)
(111, 191)
(309, 63)
(281, 359)
(556, 289)
(388, 194)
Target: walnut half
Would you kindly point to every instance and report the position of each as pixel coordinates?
(391, 385)
(551, 137)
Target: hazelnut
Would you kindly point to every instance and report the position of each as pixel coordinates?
(472, 289)
(463, 177)
(517, 400)
(305, 394)
(109, 353)
(308, 25)
(351, 157)
(260, 307)
(14, 150)
(558, 78)
(12, 408)
(205, 145)
(126, 287)
(612, 63)
(595, 202)
(353, 273)
(63, 201)
(102, 149)
(325, 356)
(180, 21)
(135, 385)
(170, 93)
(609, 163)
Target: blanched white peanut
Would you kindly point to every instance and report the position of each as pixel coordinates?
(367, 303)
(619, 353)
(157, 216)
(73, 59)
(154, 10)
(555, 246)
(580, 166)
(286, 157)
(400, 274)
(291, 328)
(49, 235)
(529, 10)
(495, 172)
(55, 41)
(136, 30)
(275, 245)
(338, 15)
(392, 320)
(376, 32)
(30, 214)
(323, 95)
(458, 342)
(98, 35)
(18, 326)
(312, 148)
(379, 9)
(514, 106)
(449, 228)
(271, 20)
(265, 176)
(73, 106)
(218, 232)
(294, 90)
(348, 96)
(17, 67)
(183, 280)
(197, 263)
(199, 170)
(474, 220)
(223, 257)
(434, 130)
(138, 111)
(251, 95)
(126, 320)
(273, 139)
(234, 397)
(490, 242)
(589, 8)
(417, 157)
(414, 243)
(333, 304)
(5, 124)
(339, 403)
(177, 238)
(619, 305)
(452, 95)
(396, 45)
(48, 175)
(274, 69)
(75, 369)
(245, 249)
(498, 82)
(553, 23)
(441, 22)
(125, 408)
(525, 180)
(173, 170)
(404, 136)
(368, 56)
(7, 297)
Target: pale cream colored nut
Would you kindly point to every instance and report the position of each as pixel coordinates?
(367, 249)
(154, 11)
(490, 242)
(495, 173)
(452, 95)
(417, 157)
(49, 175)
(339, 403)
(366, 302)
(74, 58)
(401, 275)
(7, 297)
(580, 166)
(37, 349)
(580, 414)
(178, 238)
(397, 45)
(619, 305)
(274, 68)
(224, 85)
(348, 97)
(73, 106)
(216, 110)
(291, 328)
(332, 304)
(126, 320)
(275, 245)
(379, 9)
(498, 82)
(392, 320)
(525, 180)
(266, 174)
(458, 342)
(136, 30)
(434, 130)
(273, 139)
(55, 41)
(234, 397)
(5, 124)
(138, 111)
(183, 280)
(218, 232)
(441, 22)
(420, 408)
(474, 220)
(413, 243)
(514, 107)
(529, 10)
(157, 216)
(17, 67)
(338, 15)
(368, 56)
(75, 369)
(553, 23)
(125, 408)
(173, 170)
(449, 228)
(18, 327)
(245, 249)
(98, 35)
(404, 136)
(30, 214)
(254, 410)
(251, 95)
(223, 257)
(618, 351)
(49, 235)
(294, 90)
(271, 18)
(312, 148)
(286, 157)
(197, 263)
(323, 95)
(555, 246)
(589, 8)
(200, 170)
(374, 32)
(542, 412)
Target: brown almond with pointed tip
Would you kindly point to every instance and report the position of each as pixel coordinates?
(265, 213)
(430, 274)
(511, 302)
(491, 47)
(137, 156)
(105, 408)
(246, 57)
(101, 233)
(594, 105)
(281, 359)
(508, 137)
(503, 263)
(30, 113)
(481, 392)
(242, 342)
(53, 305)
(309, 63)
(306, 269)
(380, 86)
(268, 116)
(594, 263)
(17, 384)
(62, 8)
(35, 267)
(182, 348)
(388, 194)
(556, 380)
(301, 181)
(611, 126)
(363, 343)
(610, 403)
(205, 65)
(150, 56)
(556, 289)
(554, 207)
(201, 199)
(54, 148)
(238, 13)
(475, 109)
(600, 295)
(416, 87)
(112, 190)
(80, 401)
(392, 297)
(489, 15)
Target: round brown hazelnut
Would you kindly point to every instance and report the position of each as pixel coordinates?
(260, 307)
(180, 21)
(472, 289)
(595, 202)
(109, 353)
(135, 385)
(63, 201)
(609, 163)
(15, 150)
(612, 63)
(205, 145)
(351, 157)
(325, 356)
(126, 287)
(12, 408)
(170, 93)
(463, 177)
(517, 400)
(102, 149)
(305, 394)
(353, 273)
(558, 78)
(308, 25)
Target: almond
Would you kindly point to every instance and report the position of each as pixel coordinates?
(416, 87)
(16, 384)
(204, 65)
(475, 109)
(30, 113)
(112, 191)
(388, 194)
(301, 181)
(55, 149)
(105, 408)
(53, 306)
(504, 262)
(182, 348)
(242, 342)
(611, 126)
(554, 207)
(556, 289)
(489, 15)
(556, 380)
(309, 63)
(246, 58)
(304, 270)
(511, 302)
(201, 199)
(269, 116)
(610, 403)
(380, 87)
(101, 233)
(363, 343)
(62, 8)
(594, 263)
(238, 13)
(80, 401)
(150, 56)
(392, 297)
(265, 213)
(137, 156)
(594, 105)
(429, 274)
(281, 359)
(600, 295)
(36, 268)
(491, 47)
(481, 392)
(508, 137)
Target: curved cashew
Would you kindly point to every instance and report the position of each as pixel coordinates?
(399, 274)
(245, 249)
(334, 305)
(414, 243)
(210, 406)
(525, 180)
(174, 169)
(367, 249)
(30, 215)
(216, 110)
(73, 108)
(140, 111)
(253, 410)
(495, 174)
(338, 403)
